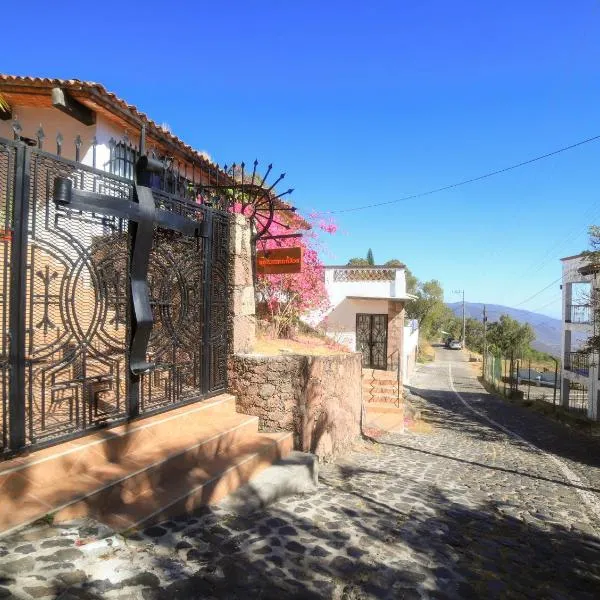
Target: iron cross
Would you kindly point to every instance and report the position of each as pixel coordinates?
(144, 216)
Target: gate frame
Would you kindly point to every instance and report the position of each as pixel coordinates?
(371, 343)
(19, 195)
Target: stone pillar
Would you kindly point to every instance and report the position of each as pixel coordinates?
(395, 334)
(242, 307)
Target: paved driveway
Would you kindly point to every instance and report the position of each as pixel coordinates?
(490, 502)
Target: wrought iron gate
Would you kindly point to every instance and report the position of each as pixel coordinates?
(68, 299)
(371, 340)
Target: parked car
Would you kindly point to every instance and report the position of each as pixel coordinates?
(455, 345)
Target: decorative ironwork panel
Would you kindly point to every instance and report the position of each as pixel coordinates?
(379, 341)
(76, 312)
(364, 274)
(218, 295)
(176, 280)
(371, 340)
(7, 167)
(69, 242)
(363, 338)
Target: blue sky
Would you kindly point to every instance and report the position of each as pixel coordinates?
(370, 101)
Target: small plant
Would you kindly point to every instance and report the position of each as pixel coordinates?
(47, 519)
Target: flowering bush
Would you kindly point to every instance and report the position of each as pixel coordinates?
(283, 299)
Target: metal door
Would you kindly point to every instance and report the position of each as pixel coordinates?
(371, 340)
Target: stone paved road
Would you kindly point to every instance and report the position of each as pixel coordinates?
(466, 510)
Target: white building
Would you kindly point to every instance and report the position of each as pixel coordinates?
(579, 386)
(83, 121)
(367, 314)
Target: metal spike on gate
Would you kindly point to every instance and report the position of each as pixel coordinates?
(40, 136)
(77, 147)
(94, 145)
(17, 128)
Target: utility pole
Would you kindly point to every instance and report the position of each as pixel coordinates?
(484, 339)
(464, 340)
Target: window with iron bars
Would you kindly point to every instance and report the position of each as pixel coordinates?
(122, 160)
(122, 163)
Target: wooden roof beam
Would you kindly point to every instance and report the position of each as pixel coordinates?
(62, 100)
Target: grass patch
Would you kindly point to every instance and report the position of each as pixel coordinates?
(426, 352)
(47, 519)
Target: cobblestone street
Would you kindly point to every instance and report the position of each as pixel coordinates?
(488, 502)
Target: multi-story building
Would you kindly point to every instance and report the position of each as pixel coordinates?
(580, 389)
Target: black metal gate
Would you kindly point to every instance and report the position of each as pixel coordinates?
(86, 287)
(371, 340)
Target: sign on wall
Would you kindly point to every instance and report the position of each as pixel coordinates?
(279, 261)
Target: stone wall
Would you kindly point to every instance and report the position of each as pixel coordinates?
(242, 308)
(395, 333)
(318, 398)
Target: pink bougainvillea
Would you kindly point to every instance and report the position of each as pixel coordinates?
(285, 298)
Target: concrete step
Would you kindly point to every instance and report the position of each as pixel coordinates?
(125, 474)
(381, 389)
(383, 398)
(369, 374)
(181, 484)
(385, 418)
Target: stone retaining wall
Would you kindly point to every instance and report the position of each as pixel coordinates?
(318, 398)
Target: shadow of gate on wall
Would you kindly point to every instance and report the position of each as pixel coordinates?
(68, 299)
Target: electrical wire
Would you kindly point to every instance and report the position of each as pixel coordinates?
(538, 293)
(466, 181)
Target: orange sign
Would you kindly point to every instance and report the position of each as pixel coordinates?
(279, 261)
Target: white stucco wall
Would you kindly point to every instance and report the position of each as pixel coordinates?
(338, 290)
(340, 322)
(409, 349)
(53, 122)
(575, 335)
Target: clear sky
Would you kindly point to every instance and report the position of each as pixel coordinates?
(361, 102)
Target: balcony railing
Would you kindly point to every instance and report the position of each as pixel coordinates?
(577, 362)
(579, 313)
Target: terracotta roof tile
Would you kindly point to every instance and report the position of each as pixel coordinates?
(76, 85)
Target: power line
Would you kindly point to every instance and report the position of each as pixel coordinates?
(554, 300)
(466, 181)
(539, 292)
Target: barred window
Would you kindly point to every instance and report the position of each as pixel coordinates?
(122, 160)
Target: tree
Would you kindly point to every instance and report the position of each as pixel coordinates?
(411, 281)
(474, 335)
(370, 259)
(358, 262)
(428, 308)
(509, 337)
(593, 260)
(395, 263)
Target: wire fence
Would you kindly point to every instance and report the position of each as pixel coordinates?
(522, 379)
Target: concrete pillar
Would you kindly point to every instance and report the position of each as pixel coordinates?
(564, 393)
(242, 307)
(395, 334)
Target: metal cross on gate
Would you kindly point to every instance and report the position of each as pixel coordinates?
(143, 215)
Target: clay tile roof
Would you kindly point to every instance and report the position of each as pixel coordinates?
(94, 93)
(98, 92)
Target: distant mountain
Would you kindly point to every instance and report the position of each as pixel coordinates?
(547, 329)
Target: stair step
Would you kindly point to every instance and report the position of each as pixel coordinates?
(135, 463)
(383, 399)
(379, 375)
(384, 389)
(180, 485)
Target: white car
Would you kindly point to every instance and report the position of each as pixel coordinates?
(455, 345)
